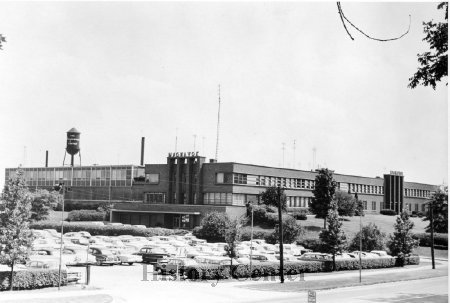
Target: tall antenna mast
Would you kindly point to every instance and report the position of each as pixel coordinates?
(283, 153)
(176, 139)
(218, 128)
(195, 141)
(293, 162)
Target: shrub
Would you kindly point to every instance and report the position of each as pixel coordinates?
(366, 263)
(346, 203)
(313, 244)
(212, 227)
(108, 230)
(86, 215)
(299, 215)
(388, 212)
(291, 231)
(372, 239)
(69, 206)
(31, 279)
(257, 234)
(425, 239)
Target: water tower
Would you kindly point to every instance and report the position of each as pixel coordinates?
(73, 144)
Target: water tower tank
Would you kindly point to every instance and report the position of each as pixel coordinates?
(73, 141)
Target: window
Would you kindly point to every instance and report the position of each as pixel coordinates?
(152, 178)
(153, 198)
(365, 205)
(239, 179)
(416, 207)
(374, 205)
(219, 178)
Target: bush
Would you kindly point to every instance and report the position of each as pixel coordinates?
(388, 212)
(313, 244)
(372, 239)
(212, 227)
(86, 215)
(108, 230)
(69, 206)
(425, 239)
(291, 231)
(32, 279)
(257, 234)
(299, 215)
(366, 263)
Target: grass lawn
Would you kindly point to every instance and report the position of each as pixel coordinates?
(426, 251)
(313, 226)
(55, 216)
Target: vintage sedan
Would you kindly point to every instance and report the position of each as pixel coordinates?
(104, 255)
(127, 255)
(40, 264)
(174, 264)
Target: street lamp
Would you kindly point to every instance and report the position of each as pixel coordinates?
(430, 205)
(251, 240)
(280, 223)
(360, 233)
(60, 189)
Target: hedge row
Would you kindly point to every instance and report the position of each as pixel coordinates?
(257, 234)
(239, 271)
(31, 279)
(388, 212)
(86, 215)
(108, 230)
(69, 206)
(211, 272)
(299, 215)
(440, 240)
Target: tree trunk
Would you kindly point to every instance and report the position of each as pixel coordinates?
(325, 223)
(11, 277)
(334, 262)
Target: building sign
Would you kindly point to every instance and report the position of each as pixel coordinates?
(396, 173)
(184, 155)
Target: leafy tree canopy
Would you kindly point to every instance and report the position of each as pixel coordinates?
(270, 197)
(324, 190)
(434, 63)
(291, 231)
(212, 227)
(402, 242)
(372, 239)
(346, 203)
(42, 201)
(439, 202)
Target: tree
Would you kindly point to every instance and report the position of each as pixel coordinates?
(212, 227)
(15, 212)
(372, 239)
(2, 40)
(439, 202)
(333, 238)
(324, 190)
(269, 197)
(105, 207)
(402, 242)
(291, 231)
(42, 201)
(232, 236)
(434, 63)
(346, 203)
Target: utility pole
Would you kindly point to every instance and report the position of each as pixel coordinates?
(61, 189)
(432, 234)
(251, 242)
(360, 234)
(283, 153)
(280, 226)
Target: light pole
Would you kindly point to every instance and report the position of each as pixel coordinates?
(61, 188)
(280, 219)
(360, 234)
(251, 240)
(430, 205)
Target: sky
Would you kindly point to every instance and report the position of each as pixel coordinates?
(119, 71)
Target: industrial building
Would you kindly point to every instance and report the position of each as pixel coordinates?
(180, 192)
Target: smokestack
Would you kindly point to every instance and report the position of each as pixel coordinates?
(46, 158)
(142, 150)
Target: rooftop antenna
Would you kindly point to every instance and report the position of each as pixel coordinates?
(195, 141)
(294, 157)
(314, 158)
(176, 139)
(283, 153)
(218, 128)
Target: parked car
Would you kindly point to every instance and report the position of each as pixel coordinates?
(127, 255)
(104, 255)
(380, 253)
(153, 254)
(174, 264)
(315, 256)
(77, 256)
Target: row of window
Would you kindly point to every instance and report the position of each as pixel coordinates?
(254, 180)
(419, 193)
(155, 198)
(298, 201)
(361, 188)
(224, 199)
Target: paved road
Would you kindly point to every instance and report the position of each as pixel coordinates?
(124, 284)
